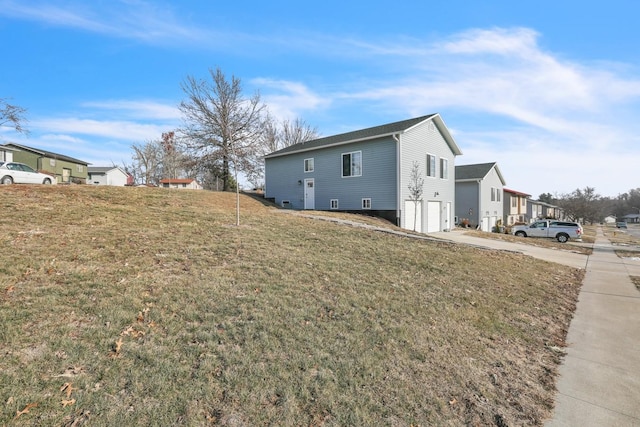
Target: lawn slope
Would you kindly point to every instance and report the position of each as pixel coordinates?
(140, 306)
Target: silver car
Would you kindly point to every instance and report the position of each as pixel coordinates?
(19, 173)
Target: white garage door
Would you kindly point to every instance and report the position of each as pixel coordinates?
(433, 217)
(413, 216)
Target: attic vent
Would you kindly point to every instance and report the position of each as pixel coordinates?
(432, 127)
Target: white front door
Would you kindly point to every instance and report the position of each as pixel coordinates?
(309, 194)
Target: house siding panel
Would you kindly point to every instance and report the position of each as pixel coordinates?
(491, 209)
(377, 181)
(467, 197)
(415, 145)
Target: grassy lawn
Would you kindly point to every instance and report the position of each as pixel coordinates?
(140, 306)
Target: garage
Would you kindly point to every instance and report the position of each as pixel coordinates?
(433, 217)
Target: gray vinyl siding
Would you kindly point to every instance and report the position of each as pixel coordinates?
(415, 145)
(467, 198)
(377, 182)
(489, 208)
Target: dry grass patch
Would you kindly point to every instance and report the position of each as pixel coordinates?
(136, 306)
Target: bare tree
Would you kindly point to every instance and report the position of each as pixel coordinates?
(171, 157)
(146, 162)
(296, 132)
(221, 125)
(582, 205)
(12, 115)
(416, 188)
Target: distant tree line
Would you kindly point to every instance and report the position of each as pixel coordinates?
(587, 206)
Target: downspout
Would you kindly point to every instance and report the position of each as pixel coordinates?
(398, 179)
(479, 218)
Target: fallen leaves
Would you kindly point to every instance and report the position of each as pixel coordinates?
(67, 388)
(26, 409)
(68, 402)
(117, 348)
(133, 332)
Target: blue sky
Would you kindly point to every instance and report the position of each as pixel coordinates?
(548, 89)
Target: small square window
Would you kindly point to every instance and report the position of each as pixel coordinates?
(308, 165)
(334, 203)
(80, 168)
(52, 162)
(366, 203)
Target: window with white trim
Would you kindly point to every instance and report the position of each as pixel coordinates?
(498, 195)
(444, 168)
(493, 194)
(334, 204)
(80, 168)
(52, 162)
(366, 203)
(308, 165)
(431, 165)
(352, 164)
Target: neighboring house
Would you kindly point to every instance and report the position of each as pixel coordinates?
(631, 218)
(64, 168)
(6, 154)
(539, 210)
(187, 183)
(515, 207)
(535, 209)
(109, 175)
(369, 171)
(610, 219)
(547, 210)
(479, 195)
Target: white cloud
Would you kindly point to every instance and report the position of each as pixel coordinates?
(119, 130)
(137, 109)
(288, 99)
(139, 20)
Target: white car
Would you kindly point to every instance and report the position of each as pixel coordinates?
(19, 173)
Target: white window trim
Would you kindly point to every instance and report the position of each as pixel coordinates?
(332, 202)
(366, 203)
(350, 153)
(311, 161)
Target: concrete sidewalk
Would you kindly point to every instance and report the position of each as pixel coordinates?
(599, 382)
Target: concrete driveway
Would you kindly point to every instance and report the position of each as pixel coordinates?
(565, 257)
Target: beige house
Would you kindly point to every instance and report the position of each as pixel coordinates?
(183, 183)
(515, 207)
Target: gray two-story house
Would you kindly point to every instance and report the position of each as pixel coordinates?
(369, 171)
(479, 195)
